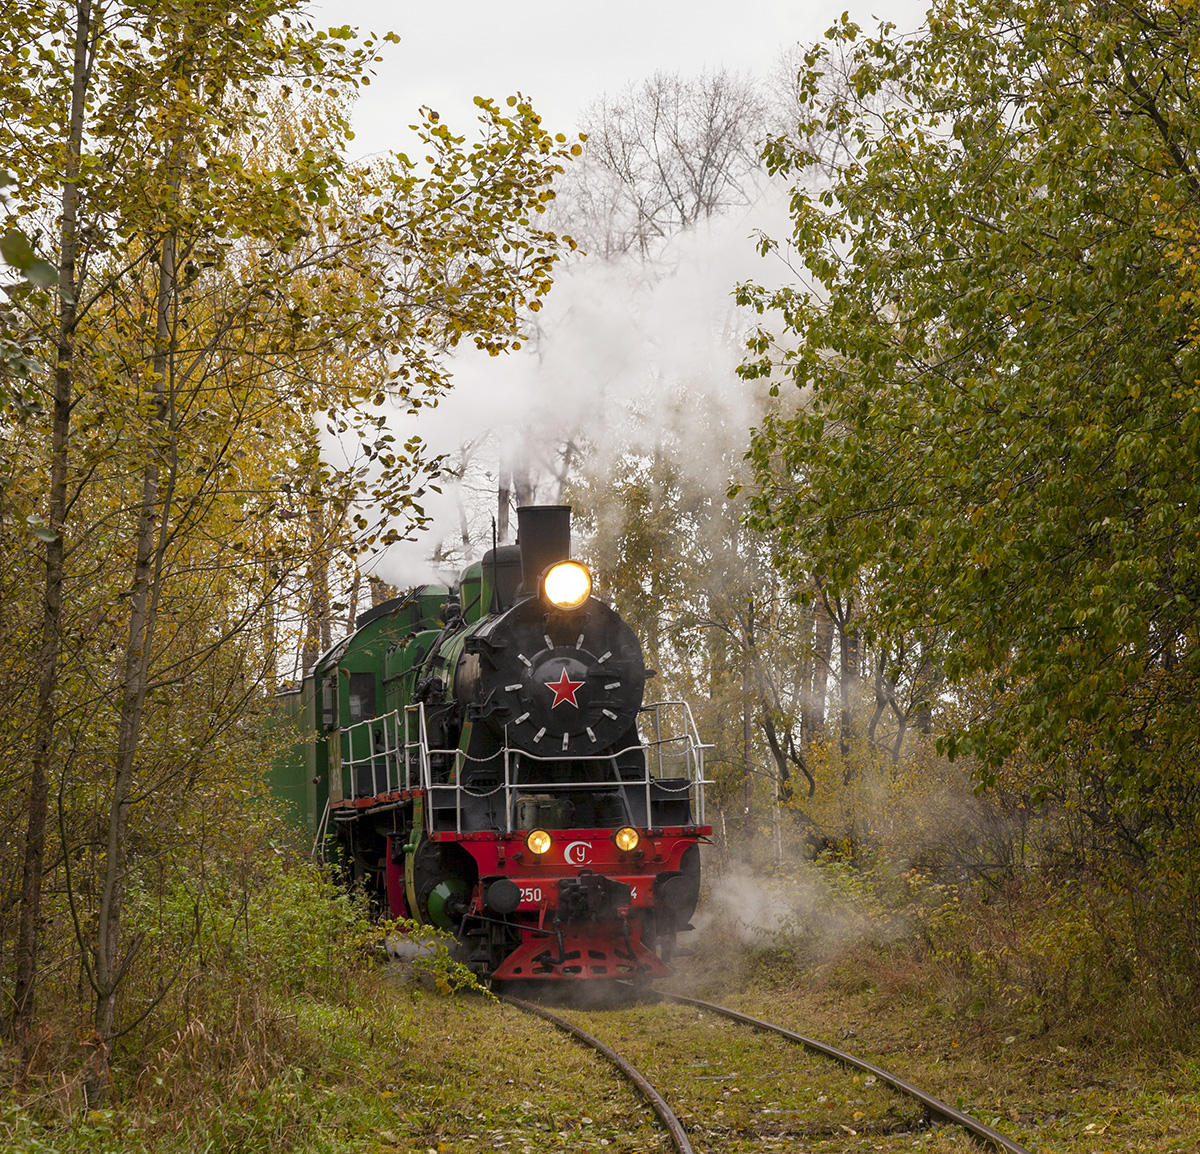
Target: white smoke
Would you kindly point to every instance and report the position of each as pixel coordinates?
(618, 335)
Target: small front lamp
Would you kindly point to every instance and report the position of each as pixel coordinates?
(538, 841)
(627, 839)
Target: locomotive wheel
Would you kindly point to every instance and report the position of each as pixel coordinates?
(666, 949)
(443, 872)
(502, 940)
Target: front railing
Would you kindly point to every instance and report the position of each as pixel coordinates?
(391, 753)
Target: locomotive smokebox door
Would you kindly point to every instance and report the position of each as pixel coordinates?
(555, 682)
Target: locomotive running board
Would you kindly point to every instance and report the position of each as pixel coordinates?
(591, 951)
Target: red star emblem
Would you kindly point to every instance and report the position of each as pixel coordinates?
(564, 690)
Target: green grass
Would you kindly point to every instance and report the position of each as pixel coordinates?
(398, 1067)
(1082, 1086)
(331, 1051)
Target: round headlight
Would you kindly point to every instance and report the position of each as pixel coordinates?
(567, 585)
(627, 839)
(538, 841)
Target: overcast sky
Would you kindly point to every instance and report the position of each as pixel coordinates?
(564, 54)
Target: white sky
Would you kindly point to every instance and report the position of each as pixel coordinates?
(562, 55)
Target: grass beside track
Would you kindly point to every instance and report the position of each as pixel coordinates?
(1050, 1092)
(397, 1067)
(400, 1068)
(1078, 1088)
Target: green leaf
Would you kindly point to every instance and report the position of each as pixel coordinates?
(16, 249)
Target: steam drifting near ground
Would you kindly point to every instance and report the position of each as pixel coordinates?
(762, 912)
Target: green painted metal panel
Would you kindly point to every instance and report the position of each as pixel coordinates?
(347, 684)
(288, 775)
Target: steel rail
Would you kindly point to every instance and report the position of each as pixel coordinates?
(932, 1105)
(665, 1114)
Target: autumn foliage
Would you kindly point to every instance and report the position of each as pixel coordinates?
(208, 295)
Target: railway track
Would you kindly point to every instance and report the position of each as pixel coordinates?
(933, 1108)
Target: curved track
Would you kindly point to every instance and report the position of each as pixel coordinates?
(933, 1106)
(665, 1114)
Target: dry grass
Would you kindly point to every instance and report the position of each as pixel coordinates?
(1004, 1005)
(1013, 1008)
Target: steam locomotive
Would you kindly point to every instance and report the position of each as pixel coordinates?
(484, 763)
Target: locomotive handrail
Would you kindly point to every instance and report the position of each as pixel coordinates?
(318, 849)
(392, 739)
(511, 785)
(385, 757)
(694, 747)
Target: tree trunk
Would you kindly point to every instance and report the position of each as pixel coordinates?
(381, 591)
(352, 607)
(316, 626)
(814, 722)
(25, 978)
(883, 693)
(270, 631)
(747, 775)
(898, 743)
(929, 682)
(110, 965)
(747, 743)
(847, 674)
(805, 668)
(777, 826)
(784, 751)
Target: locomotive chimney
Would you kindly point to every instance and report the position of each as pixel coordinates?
(544, 535)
